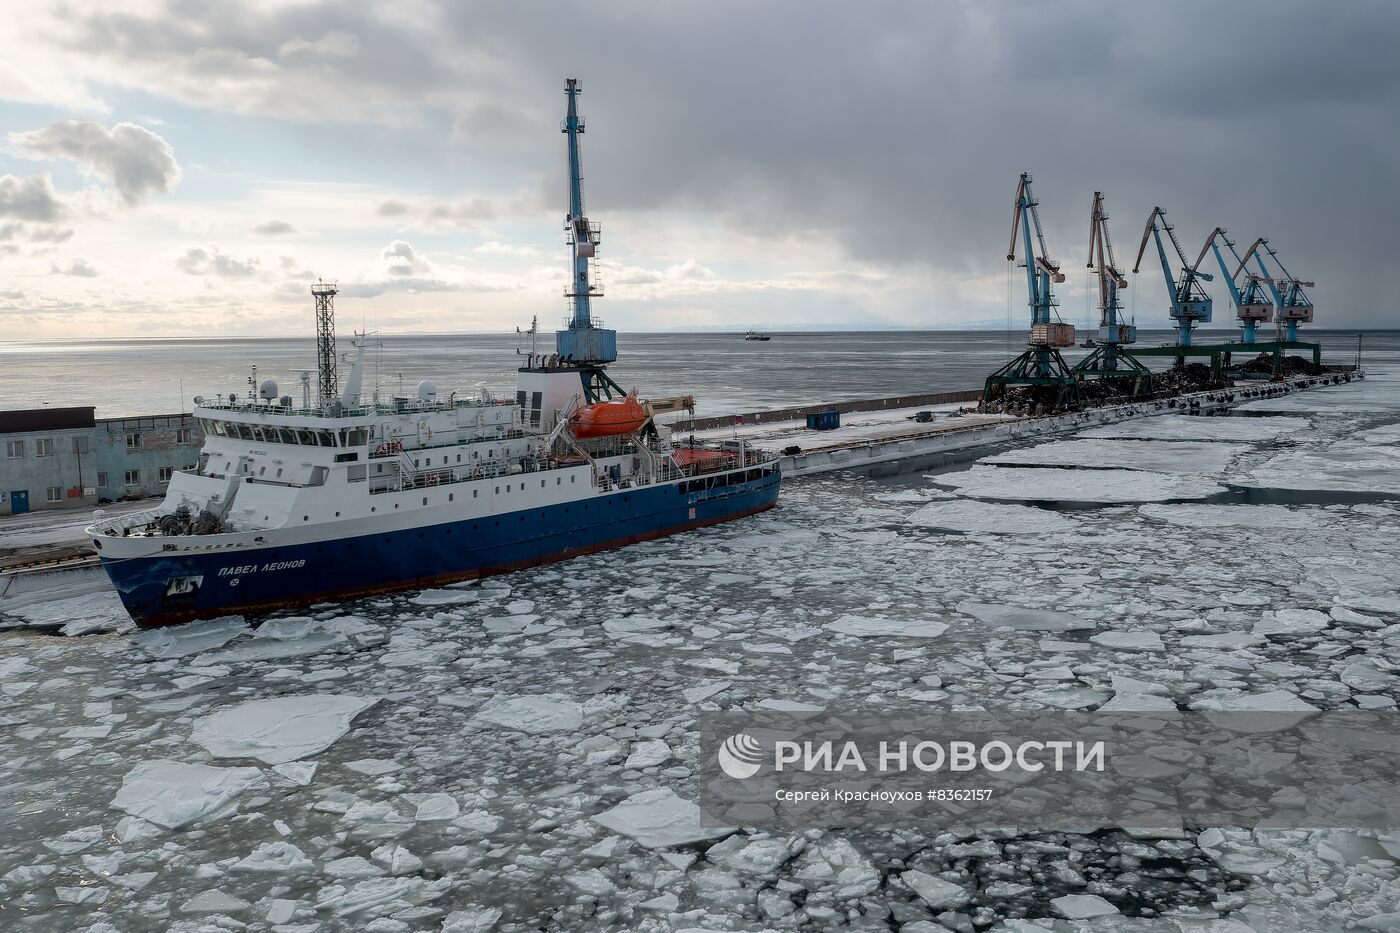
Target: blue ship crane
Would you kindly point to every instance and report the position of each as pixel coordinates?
(1109, 359)
(1041, 363)
(584, 343)
(1252, 305)
(1294, 306)
(1190, 305)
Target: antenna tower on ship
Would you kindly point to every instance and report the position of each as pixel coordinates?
(329, 386)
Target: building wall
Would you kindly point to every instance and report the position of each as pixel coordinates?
(96, 469)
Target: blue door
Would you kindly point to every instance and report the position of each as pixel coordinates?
(19, 501)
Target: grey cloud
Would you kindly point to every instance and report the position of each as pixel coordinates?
(35, 233)
(212, 261)
(78, 266)
(893, 133)
(30, 198)
(275, 228)
(136, 161)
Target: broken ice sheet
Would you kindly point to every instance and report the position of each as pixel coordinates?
(534, 715)
(972, 516)
(1020, 617)
(1197, 515)
(176, 793)
(878, 627)
(1043, 484)
(1197, 428)
(659, 819)
(1161, 456)
(192, 638)
(280, 729)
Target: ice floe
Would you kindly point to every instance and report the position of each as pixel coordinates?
(863, 626)
(1159, 456)
(973, 516)
(1197, 428)
(280, 729)
(174, 794)
(1082, 486)
(534, 715)
(659, 819)
(1021, 617)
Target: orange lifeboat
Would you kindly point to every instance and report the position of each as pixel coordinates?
(605, 419)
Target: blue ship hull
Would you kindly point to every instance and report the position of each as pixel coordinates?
(170, 588)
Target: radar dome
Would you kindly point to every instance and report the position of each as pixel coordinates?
(268, 389)
(427, 392)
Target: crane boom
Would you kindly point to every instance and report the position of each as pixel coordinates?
(1252, 306)
(1294, 306)
(1190, 305)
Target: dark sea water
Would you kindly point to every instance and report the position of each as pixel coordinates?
(141, 376)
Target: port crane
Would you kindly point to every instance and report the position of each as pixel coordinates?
(1294, 306)
(584, 343)
(1109, 359)
(1041, 363)
(1252, 305)
(1190, 303)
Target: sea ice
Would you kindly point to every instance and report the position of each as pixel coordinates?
(1019, 617)
(444, 597)
(1083, 906)
(175, 794)
(1291, 622)
(474, 918)
(1342, 467)
(192, 638)
(1137, 703)
(873, 627)
(935, 892)
(659, 819)
(1195, 515)
(535, 715)
(432, 807)
(1088, 486)
(972, 516)
(1196, 428)
(274, 858)
(280, 729)
(1129, 641)
(1161, 456)
(648, 754)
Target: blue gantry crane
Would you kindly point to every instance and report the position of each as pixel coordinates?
(1041, 363)
(1252, 305)
(1110, 360)
(1190, 305)
(584, 343)
(1294, 306)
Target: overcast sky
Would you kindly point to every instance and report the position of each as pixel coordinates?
(191, 166)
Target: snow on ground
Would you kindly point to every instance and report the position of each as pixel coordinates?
(531, 762)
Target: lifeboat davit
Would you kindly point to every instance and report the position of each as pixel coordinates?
(605, 419)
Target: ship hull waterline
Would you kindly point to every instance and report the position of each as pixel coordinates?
(275, 577)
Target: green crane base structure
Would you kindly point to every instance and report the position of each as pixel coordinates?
(1220, 353)
(1109, 361)
(1037, 366)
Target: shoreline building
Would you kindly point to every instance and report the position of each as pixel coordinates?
(58, 458)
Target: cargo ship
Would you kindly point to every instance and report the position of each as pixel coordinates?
(345, 495)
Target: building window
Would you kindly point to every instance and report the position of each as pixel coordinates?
(80, 445)
(14, 449)
(184, 436)
(164, 474)
(54, 494)
(43, 447)
(101, 479)
(133, 440)
(132, 477)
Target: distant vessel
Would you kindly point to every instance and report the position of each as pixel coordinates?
(349, 496)
(755, 335)
(1089, 342)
